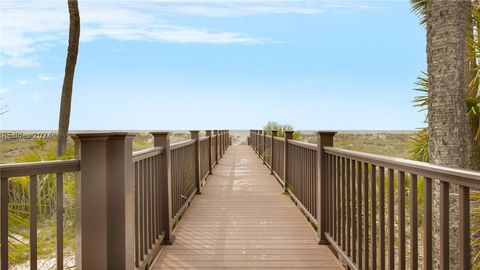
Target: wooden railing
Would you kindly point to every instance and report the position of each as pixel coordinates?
(148, 193)
(33, 170)
(334, 188)
(128, 201)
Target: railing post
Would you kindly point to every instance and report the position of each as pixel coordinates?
(324, 138)
(198, 179)
(288, 136)
(229, 139)
(223, 141)
(216, 145)
(209, 134)
(264, 147)
(105, 187)
(254, 140)
(220, 137)
(162, 139)
(259, 144)
(274, 134)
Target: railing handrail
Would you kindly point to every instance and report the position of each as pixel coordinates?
(463, 177)
(146, 153)
(38, 168)
(182, 144)
(303, 144)
(279, 139)
(203, 138)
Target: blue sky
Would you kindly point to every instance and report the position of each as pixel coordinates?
(345, 65)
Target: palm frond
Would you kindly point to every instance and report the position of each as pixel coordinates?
(419, 7)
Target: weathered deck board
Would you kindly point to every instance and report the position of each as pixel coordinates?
(243, 220)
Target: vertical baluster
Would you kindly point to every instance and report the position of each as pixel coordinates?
(332, 196)
(33, 222)
(359, 214)
(159, 199)
(464, 240)
(348, 206)
(365, 216)
(401, 220)
(354, 212)
(149, 202)
(338, 219)
(308, 188)
(373, 188)
(313, 183)
(142, 210)
(137, 219)
(59, 179)
(381, 194)
(343, 202)
(444, 226)
(413, 222)
(427, 224)
(4, 222)
(391, 219)
(155, 198)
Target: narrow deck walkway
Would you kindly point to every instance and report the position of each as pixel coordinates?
(243, 220)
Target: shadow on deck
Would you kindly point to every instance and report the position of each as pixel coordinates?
(242, 219)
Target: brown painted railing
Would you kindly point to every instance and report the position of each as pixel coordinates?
(334, 188)
(204, 158)
(301, 181)
(32, 170)
(184, 179)
(147, 200)
(128, 202)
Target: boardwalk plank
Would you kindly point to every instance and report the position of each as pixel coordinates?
(242, 220)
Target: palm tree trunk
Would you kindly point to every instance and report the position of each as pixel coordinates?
(65, 103)
(447, 113)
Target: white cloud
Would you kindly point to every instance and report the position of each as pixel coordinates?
(23, 82)
(4, 90)
(46, 78)
(29, 27)
(36, 95)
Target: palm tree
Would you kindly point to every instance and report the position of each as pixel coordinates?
(66, 101)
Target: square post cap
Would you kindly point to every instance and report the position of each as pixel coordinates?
(160, 133)
(326, 133)
(100, 135)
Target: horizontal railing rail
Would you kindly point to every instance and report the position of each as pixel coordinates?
(179, 145)
(368, 207)
(143, 154)
(128, 201)
(462, 177)
(37, 168)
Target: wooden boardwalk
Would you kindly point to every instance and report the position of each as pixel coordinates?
(243, 220)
